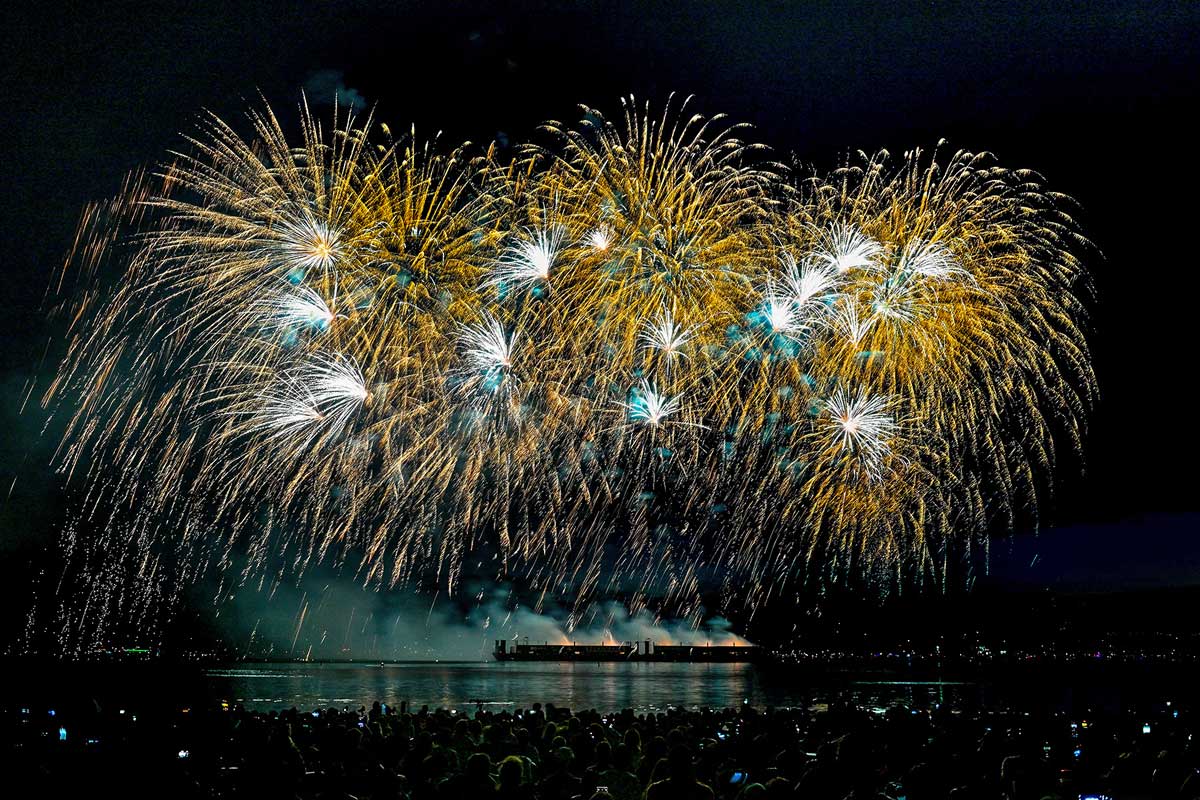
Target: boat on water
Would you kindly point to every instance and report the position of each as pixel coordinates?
(626, 651)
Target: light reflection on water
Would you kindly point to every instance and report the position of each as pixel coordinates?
(606, 686)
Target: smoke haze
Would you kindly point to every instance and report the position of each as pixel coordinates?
(343, 620)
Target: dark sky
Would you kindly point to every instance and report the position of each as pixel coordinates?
(1096, 96)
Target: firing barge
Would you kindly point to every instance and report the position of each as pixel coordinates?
(627, 651)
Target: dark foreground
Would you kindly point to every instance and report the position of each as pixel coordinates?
(548, 753)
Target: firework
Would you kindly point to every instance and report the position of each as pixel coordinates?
(666, 337)
(861, 426)
(651, 407)
(632, 357)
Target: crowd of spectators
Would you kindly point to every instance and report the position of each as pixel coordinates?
(544, 752)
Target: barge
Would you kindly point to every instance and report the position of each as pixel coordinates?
(626, 651)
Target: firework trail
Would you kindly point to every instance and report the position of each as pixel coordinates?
(639, 354)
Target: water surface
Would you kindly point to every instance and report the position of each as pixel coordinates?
(606, 686)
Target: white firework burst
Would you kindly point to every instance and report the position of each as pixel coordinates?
(843, 248)
(850, 322)
(529, 260)
(488, 351)
(298, 307)
(781, 314)
(929, 260)
(651, 407)
(309, 244)
(861, 424)
(600, 238)
(319, 397)
(486, 346)
(895, 300)
(811, 286)
(336, 385)
(666, 336)
(288, 410)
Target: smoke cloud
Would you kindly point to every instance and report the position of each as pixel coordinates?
(324, 86)
(338, 619)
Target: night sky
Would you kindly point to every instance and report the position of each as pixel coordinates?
(1096, 96)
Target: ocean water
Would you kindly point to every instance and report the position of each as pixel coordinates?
(606, 686)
